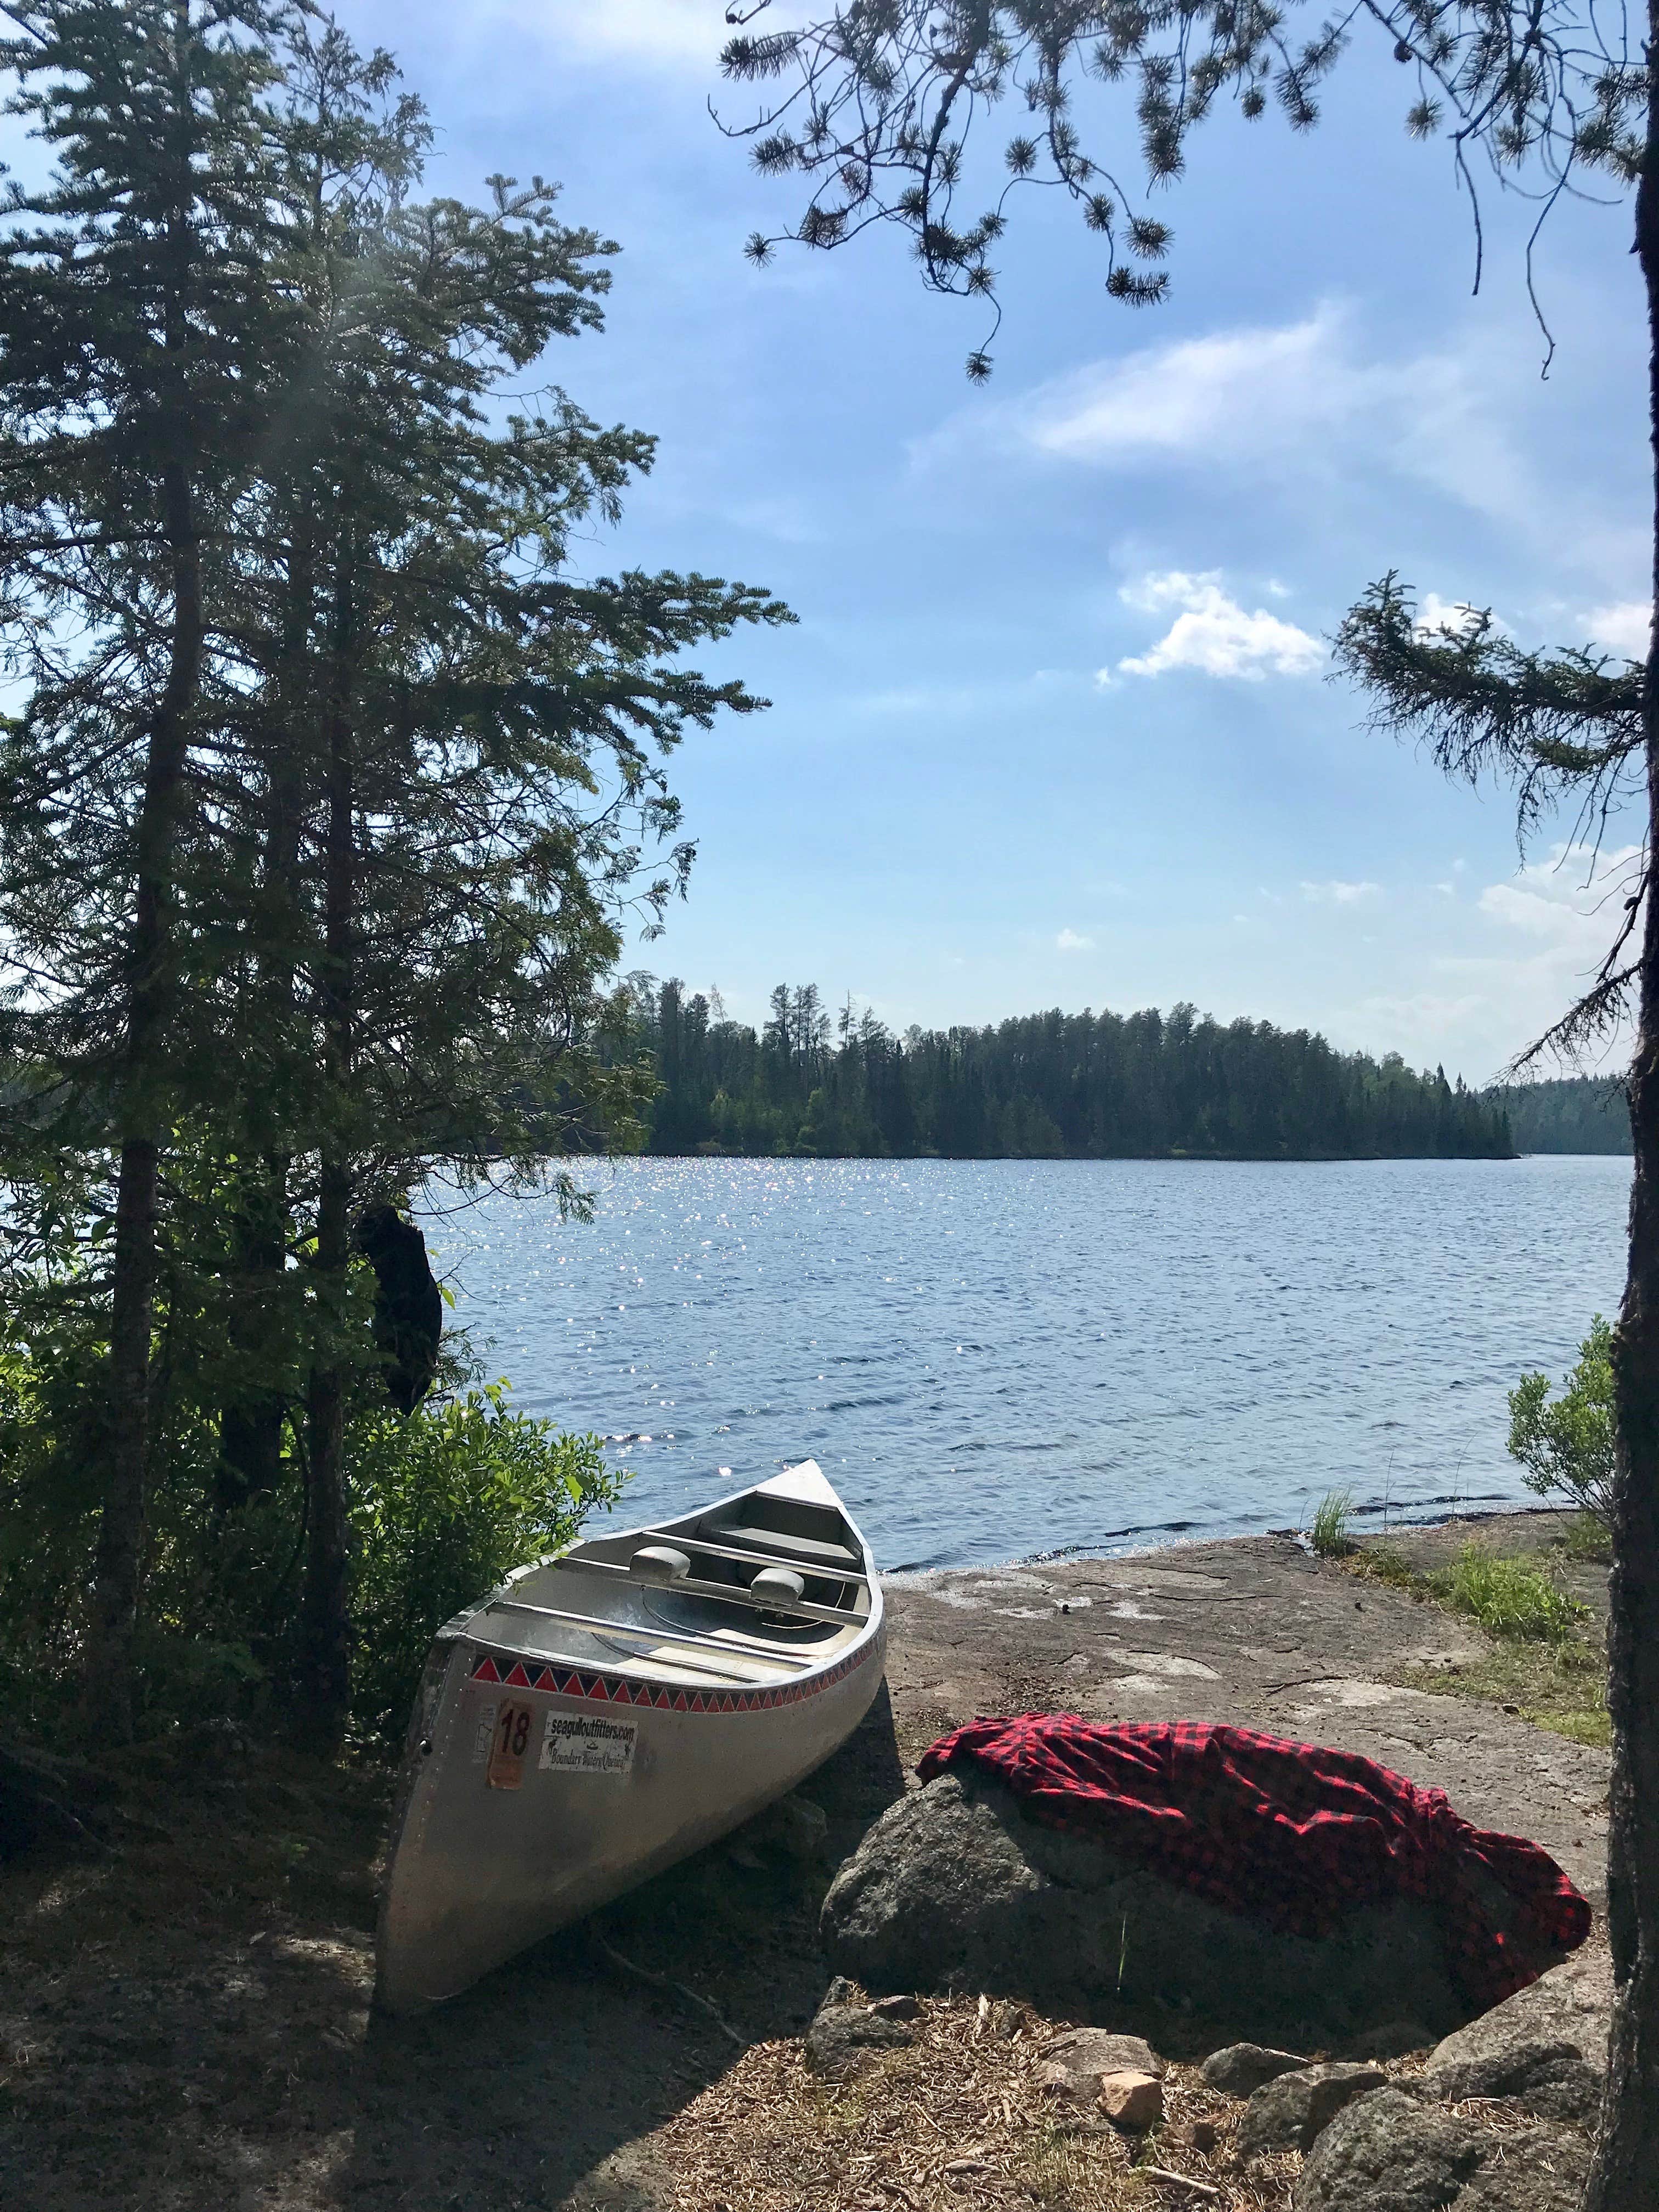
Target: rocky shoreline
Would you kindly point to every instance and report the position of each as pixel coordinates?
(184, 2003)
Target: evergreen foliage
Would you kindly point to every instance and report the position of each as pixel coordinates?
(1046, 1086)
(1567, 1114)
(334, 784)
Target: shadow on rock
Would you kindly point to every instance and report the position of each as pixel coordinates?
(957, 1889)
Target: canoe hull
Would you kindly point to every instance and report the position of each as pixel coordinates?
(617, 1778)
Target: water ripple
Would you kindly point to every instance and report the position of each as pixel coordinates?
(1058, 1356)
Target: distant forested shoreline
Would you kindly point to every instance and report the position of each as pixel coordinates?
(1044, 1086)
(1575, 1114)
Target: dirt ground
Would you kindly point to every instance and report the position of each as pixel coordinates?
(184, 2004)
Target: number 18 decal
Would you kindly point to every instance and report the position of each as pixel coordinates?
(508, 1745)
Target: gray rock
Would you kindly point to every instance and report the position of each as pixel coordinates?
(841, 2034)
(794, 1827)
(1388, 2153)
(1573, 2003)
(1292, 2111)
(897, 2008)
(1240, 2069)
(1550, 2079)
(1392, 2153)
(1533, 2171)
(954, 1889)
(1076, 2063)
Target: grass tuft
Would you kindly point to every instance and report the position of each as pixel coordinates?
(1332, 1534)
(1510, 1598)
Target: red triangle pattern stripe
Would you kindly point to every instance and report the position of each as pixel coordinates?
(619, 1690)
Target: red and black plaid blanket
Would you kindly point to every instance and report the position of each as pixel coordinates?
(1292, 1833)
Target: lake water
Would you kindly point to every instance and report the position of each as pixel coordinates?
(994, 1359)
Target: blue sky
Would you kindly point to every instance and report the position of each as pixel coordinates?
(1056, 726)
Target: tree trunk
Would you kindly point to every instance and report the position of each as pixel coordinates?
(251, 1425)
(1627, 2156)
(326, 1627)
(324, 1683)
(118, 1569)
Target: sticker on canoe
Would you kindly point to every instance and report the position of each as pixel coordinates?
(583, 1743)
(508, 1745)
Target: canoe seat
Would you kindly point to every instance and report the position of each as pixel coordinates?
(805, 1551)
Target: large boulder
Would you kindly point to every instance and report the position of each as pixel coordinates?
(1393, 2153)
(954, 1889)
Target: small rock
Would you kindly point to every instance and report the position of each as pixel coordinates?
(795, 1827)
(1551, 2079)
(1294, 2111)
(1201, 2135)
(1242, 2068)
(1131, 2101)
(750, 1861)
(842, 2033)
(840, 1992)
(1075, 2064)
(898, 2008)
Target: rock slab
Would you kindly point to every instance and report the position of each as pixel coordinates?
(1293, 2111)
(1240, 2069)
(1572, 2004)
(955, 1889)
(1074, 2065)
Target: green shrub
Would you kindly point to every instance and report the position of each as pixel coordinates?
(1332, 1534)
(444, 1505)
(1507, 1597)
(1566, 1446)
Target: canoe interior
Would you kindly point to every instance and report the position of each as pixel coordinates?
(587, 1609)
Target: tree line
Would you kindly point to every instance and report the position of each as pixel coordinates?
(329, 787)
(1043, 1086)
(1569, 1113)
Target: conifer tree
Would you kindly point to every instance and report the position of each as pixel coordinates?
(143, 341)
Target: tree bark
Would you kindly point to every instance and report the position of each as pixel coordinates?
(325, 1625)
(324, 1683)
(118, 1569)
(1627, 2156)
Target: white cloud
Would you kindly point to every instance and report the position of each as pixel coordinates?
(1335, 892)
(1623, 628)
(1570, 903)
(1435, 613)
(1297, 399)
(1214, 634)
(1069, 941)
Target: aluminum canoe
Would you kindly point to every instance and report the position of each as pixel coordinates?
(607, 1712)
